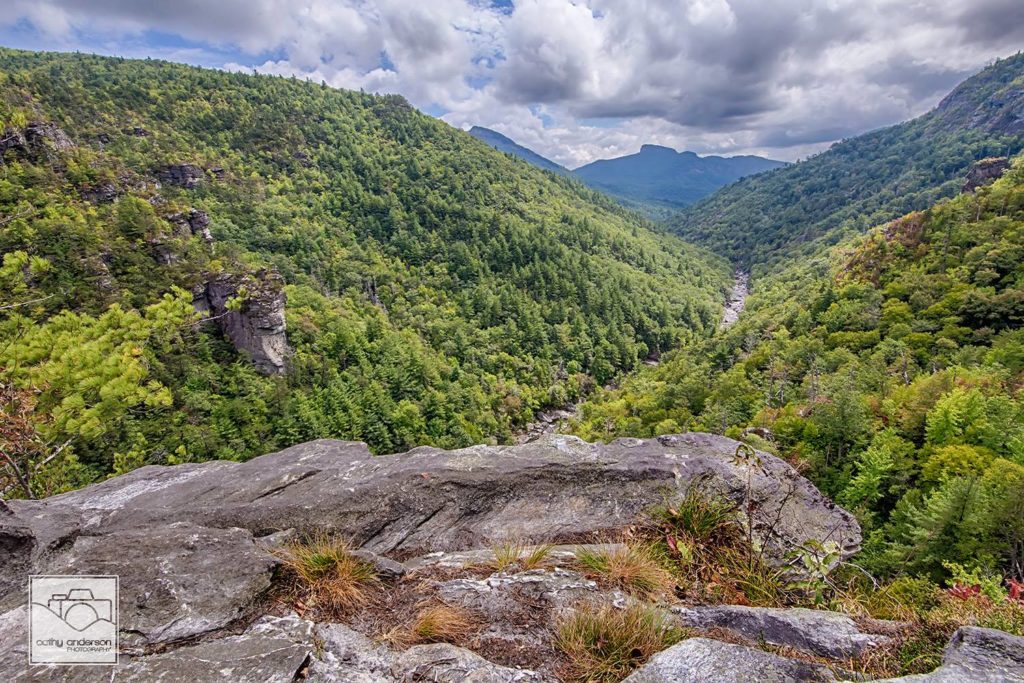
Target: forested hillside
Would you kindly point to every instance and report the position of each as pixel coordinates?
(438, 292)
(857, 183)
(889, 370)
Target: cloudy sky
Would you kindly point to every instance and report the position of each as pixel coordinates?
(578, 80)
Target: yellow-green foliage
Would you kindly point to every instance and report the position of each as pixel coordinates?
(438, 291)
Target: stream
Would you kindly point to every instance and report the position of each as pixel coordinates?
(736, 301)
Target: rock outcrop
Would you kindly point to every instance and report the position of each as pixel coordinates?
(165, 593)
(815, 632)
(195, 547)
(37, 141)
(187, 176)
(984, 172)
(271, 650)
(429, 499)
(17, 546)
(350, 657)
(977, 655)
(192, 222)
(102, 193)
(256, 326)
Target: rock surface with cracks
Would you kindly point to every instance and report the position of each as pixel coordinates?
(193, 544)
(429, 499)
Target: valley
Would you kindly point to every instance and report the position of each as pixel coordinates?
(426, 404)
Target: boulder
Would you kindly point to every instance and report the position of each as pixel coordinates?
(384, 568)
(347, 656)
(518, 609)
(431, 500)
(257, 327)
(176, 581)
(495, 595)
(977, 655)
(816, 632)
(445, 663)
(700, 660)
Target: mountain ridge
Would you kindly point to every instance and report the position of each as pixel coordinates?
(396, 281)
(865, 180)
(664, 177)
(506, 144)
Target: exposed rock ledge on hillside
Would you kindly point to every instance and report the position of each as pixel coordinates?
(194, 548)
(257, 326)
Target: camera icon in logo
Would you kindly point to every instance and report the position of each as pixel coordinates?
(79, 608)
(73, 619)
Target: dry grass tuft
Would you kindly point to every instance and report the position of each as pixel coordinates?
(604, 644)
(434, 623)
(327, 578)
(518, 553)
(635, 568)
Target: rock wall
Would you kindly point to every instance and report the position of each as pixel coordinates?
(257, 327)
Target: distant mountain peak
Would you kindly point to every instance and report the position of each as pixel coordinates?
(659, 176)
(768, 218)
(658, 149)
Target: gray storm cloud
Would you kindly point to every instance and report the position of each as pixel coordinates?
(582, 79)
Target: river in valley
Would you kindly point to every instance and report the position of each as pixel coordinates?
(736, 301)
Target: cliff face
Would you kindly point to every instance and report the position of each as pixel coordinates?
(254, 320)
(992, 101)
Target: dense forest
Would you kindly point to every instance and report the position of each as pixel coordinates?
(893, 380)
(438, 292)
(767, 219)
